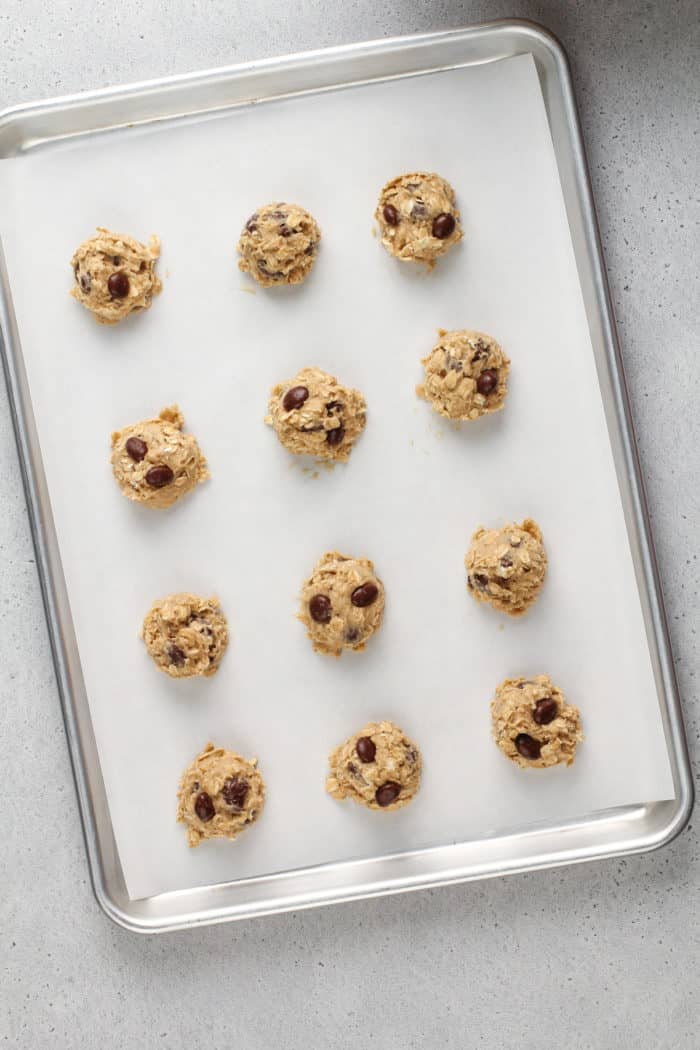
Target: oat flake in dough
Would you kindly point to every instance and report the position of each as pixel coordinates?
(279, 244)
(221, 794)
(115, 275)
(466, 375)
(342, 603)
(533, 724)
(154, 462)
(379, 767)
(315, 415)
(417, 216)
(186, 635)
(506, 567)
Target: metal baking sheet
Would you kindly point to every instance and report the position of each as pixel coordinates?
(624, 829)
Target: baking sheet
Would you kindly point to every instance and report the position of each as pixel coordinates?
(415, 488)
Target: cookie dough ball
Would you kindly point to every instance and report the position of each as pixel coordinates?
(506, 567)
(532, 723)
(279, 244)
(314, 415)
(466, 375)
(221, 794)
(154, 462)
(186, 635)
(115, 275)
(417, 217)
(379, 767)
(342, 603)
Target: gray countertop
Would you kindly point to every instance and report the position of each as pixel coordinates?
(592, 957)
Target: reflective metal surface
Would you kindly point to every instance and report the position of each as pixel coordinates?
(629, 829)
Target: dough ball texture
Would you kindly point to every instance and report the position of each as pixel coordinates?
(379, 767)
(154, 462)
(185, 635)
(506, 567)
(417, 217)
(313, 414)
(342, 603)
(279, 244)
(115, 275)
(466, 375)
(220, 795)
(532, 723)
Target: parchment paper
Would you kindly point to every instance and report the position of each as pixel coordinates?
(410, 498)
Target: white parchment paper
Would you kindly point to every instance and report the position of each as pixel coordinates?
(410, 498)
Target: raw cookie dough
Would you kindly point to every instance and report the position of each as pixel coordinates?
(115, 275)
(314, 415)
(466, 375)
(506, 567)
(154, 462)
(379, 767)
(341, 603)
(220, 795)
(186, 635)
(279, 244)
(532, 723)
(417, 217)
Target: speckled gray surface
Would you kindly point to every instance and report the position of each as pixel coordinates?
(594, 957)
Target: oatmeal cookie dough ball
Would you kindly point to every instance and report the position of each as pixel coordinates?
(466, 375)
(220, 795)
(417, 217)
(154, 462)
(186, 635)
(379, 767)
(115, 275)
(532, 723)
(313, 414)
(506, 567)
(279, 244)
(342, 603)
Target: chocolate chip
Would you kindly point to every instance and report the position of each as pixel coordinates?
(251, 225)
(443, 225)
(481, 581)
(480, 351)
(116, 260)
(364, 595)
(320, 608)
(311, 248)
(387, 793)
(158, 477)
(487, 381)
(136, 448)
(85, 282)
(176, 655)
(352, 768)
(118, 285)
(366, 749)
(285, 231)
(294, 398)
(234, 792)
(335, 437)
(506, 561)
(278, 215)
(195, 786)
(390, 214)
(204, 807)
(545, 711)
(527, 746)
